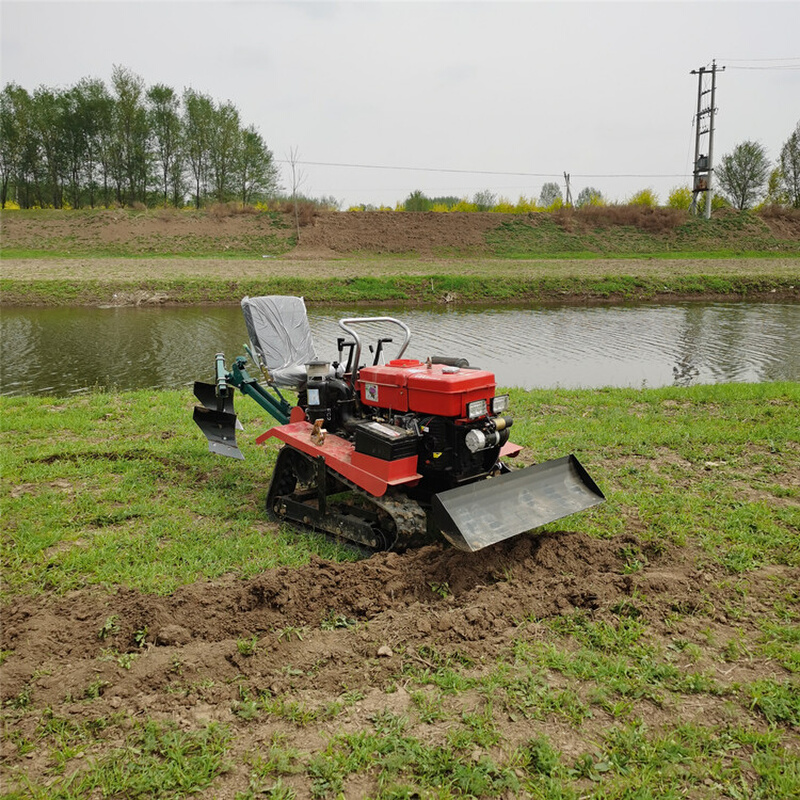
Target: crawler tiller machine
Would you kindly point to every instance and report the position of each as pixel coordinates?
(384, 454)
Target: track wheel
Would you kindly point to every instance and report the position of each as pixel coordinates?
(284, 481)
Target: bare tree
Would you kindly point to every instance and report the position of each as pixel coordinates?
(485, 200)
(551, 192)
(298, 177)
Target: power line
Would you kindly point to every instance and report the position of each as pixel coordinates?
(785, 68)
(793, 58)
(479, 171)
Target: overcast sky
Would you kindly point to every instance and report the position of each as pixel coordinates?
(449, 94)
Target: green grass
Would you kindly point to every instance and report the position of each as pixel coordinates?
(576, 705)
(157, 760)
(722, 236)
(88, 477)
(93, 480)
(494, 285)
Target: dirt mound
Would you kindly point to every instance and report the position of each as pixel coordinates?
(435, 596)
(392, 232)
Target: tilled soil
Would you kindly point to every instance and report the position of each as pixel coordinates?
(316, 632)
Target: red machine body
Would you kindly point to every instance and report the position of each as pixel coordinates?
(409, 385)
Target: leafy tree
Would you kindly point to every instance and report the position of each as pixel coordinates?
(255, 170)
(448, 201)
(550, 194)
(12, 130)
(776, 194)
(224, 150)
(198, 122)
(130, 152)
(21, 146)
(92, 111)
(163, 118)
(790, 166)
(417, 201)
(484, 200)
(589, 196)
(742, 174)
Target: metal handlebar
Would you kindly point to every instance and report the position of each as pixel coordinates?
(344, 323)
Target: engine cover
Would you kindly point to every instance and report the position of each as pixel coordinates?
(406, 385)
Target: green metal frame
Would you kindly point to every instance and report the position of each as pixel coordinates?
(279, 407)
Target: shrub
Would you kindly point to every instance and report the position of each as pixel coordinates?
(504, 206)
(526, 206)
(589, 196)
(644, 197)
(680, 197)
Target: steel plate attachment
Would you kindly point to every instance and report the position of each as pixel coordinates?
(218, 421)
(486, 512)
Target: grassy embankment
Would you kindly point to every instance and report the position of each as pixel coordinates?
(547, 258)
(108, 490)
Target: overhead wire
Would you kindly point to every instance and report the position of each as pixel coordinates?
(479, 171)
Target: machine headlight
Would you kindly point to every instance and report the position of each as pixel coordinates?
(477, 408)
(500, 404)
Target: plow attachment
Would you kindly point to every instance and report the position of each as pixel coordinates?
(217, 419)
(480, 514)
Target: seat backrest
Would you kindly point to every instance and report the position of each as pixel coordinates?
(280, 337)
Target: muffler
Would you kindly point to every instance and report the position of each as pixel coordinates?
(479, 514)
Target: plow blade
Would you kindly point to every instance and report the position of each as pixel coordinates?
(479, 514)
(218, 421)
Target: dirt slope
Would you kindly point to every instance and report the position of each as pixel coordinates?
(224, 232)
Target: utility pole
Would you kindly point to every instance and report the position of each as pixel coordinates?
(568, 201)
(704, 162)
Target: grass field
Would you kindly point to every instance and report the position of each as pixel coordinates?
(163, 638)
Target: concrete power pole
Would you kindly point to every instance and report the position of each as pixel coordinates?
(704, 162)
(568, 200)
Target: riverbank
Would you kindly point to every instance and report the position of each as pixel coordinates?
(412, 280)
(647, 646)
(604, 254)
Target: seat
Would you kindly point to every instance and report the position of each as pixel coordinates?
(280, 338)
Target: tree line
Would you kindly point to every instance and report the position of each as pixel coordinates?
(744, 178)
(88, 146)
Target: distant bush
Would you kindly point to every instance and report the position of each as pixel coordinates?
(525, 205)
(589, 196)
(484, 200)
(645, 197)
(504, 206)
(417, 201)
(680, 197)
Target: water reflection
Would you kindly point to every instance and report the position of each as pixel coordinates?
(61, 351)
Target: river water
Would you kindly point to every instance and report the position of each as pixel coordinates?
(67, 350)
